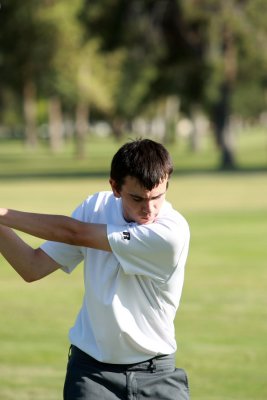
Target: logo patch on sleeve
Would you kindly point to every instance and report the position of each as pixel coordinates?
(126, 235)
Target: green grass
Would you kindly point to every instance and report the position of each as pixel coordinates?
(221, 325)
(16, 161)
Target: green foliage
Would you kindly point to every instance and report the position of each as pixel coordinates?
(98, 76)
(249, 100)
(26, 50)
(11, 113)
(116, 59)
(233, 33)
(160, 48)
(66, 34)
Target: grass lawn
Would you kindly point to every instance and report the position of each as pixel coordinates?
(222, 322)
(221, 325)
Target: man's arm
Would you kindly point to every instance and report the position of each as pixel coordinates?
(58, 228)
(31, 264)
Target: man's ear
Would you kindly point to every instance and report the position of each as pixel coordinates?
(114, 187)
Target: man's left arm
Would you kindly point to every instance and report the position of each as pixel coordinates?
(58, 228)
(154, 250)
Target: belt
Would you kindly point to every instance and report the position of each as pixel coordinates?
(157, 363)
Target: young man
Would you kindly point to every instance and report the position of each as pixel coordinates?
(134, 247)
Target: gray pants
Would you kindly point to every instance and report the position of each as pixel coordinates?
(155, 379)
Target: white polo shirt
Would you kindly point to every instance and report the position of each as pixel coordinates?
(132, 293)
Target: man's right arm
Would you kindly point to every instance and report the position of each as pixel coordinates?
(31, 264)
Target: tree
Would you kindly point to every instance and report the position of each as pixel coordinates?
(97, 78)
(78, 75)
(202, 51)
(118, 58)
(26, 54)
(158, 51)
(234, 30)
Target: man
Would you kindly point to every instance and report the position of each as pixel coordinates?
(134, 247)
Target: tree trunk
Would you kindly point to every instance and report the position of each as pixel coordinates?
(82, 128)
(118, 126)
(30, 113)
(222, 129)
(171, 117)
(55, 125)
(223, 108)
(199, 128)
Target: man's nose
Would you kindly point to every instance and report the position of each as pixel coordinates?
(148, 206)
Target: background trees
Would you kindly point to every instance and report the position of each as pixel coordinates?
(118, 60)
(235, 85)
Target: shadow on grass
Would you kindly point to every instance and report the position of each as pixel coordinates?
(102, 174)
(54, 175)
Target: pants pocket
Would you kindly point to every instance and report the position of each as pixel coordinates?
(171, 385)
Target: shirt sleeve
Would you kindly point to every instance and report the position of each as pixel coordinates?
(67, 256)
(154, 250)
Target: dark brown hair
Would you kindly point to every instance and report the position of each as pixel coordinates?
(143, 159)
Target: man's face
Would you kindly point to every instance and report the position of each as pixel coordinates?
(139, 204)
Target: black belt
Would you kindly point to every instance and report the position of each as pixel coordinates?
(158, 363)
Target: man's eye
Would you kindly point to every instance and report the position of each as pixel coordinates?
(137, 200)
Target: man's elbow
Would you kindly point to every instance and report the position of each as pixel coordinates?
(36, 268)
(30, 277)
